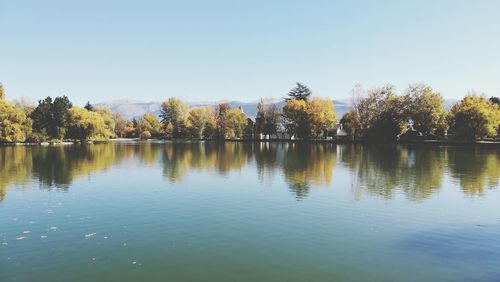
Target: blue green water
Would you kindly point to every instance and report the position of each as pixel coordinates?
(199, 211)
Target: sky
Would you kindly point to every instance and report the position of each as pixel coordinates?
(244, 50)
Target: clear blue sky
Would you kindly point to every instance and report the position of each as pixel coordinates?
(213, 50)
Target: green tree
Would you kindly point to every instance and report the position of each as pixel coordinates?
(87, 125)
(299, 92)
(295, 118)
(426, 110)
(51, 116)
(175, 112)
(474, 117)
(15, 126)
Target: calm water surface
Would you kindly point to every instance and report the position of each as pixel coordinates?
(249, 212)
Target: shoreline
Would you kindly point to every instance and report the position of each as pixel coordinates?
(310, 141)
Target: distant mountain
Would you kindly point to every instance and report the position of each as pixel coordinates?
(135, 109)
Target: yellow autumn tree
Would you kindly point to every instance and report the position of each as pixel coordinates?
(109, 120)
(2, 92)
(15, 126)
(149, 122)
(175, 112)
(320, 116)
(197, 119)
(87, 125)
(475, 117)
(236, 123)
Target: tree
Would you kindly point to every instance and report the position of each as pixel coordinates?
(51, 116)
(123, 128)
(145, 135)
(175, 112)
(351, 125)
(89, 107)
(169, 130)
(295, 118)
(221, 119)
(198, 118)
(381, 114)
(60, 111)
(149, 122)
(210, 130)
(267, 118)
(15, 126)
(260, 117)
(299, 92)
(320, 116)
(236, 123)
(474, 117)
(108, 118)
(2, 92)
(271, 119)
(86, 125)
(495, 100)
(426, 109)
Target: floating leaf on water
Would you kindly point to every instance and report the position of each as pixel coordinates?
(89, 235)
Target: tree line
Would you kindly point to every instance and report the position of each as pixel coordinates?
(382, 114)
(379, 114)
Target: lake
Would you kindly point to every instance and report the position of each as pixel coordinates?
(205, 211)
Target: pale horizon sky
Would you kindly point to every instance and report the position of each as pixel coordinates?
(243, 50)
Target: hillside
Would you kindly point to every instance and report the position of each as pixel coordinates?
(134, 109)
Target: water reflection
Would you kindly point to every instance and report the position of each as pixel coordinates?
(376, 170)
(475, 169)
(304, 165)
(383, 170)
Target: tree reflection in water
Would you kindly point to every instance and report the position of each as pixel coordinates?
(380, 170)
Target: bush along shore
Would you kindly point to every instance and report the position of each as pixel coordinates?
(378, 115)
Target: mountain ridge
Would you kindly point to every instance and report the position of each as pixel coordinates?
(130, 109)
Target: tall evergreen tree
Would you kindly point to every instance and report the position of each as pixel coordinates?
(495, 100)
(299, 92)
(89, 106)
